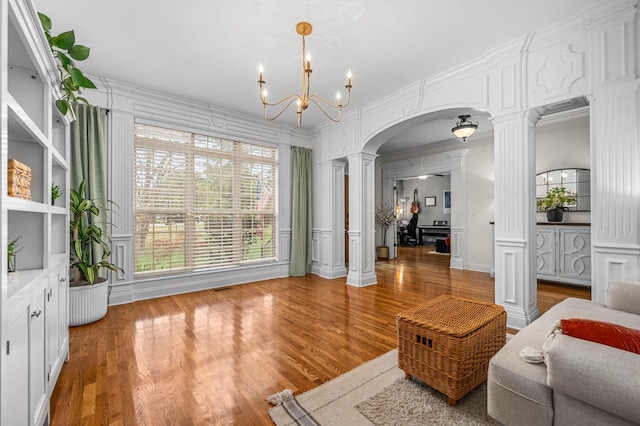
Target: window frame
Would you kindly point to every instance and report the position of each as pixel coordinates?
(241, 158)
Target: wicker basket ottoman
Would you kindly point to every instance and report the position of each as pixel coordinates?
(447, 343)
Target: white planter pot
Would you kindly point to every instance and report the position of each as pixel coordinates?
(88, 303)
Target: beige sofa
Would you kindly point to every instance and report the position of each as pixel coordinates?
(582, 383)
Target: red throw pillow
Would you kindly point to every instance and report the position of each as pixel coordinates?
(606, 333)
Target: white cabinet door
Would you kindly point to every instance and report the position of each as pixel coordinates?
(575, 254)
(57, 324)
(53, 326)
(38, 389)
(15, 354)
(546, 251)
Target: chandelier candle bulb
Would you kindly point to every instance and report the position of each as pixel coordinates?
(339, 99)
(348, 86)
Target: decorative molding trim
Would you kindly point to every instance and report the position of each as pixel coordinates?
(166, 286)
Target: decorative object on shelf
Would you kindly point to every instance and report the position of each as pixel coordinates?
(385, 216)
(18, 180)
(555, 203)
(65, 51)
(56, 193)
(303, 99)
(12, 248)
(464, 128)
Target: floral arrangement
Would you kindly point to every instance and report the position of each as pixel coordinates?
(385, 216)
(558, 197)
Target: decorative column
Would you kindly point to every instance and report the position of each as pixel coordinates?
(387, 197)
(120, 190)
(615, 186)
(362, 254)
(332, 232)
(515, 213)
(458, 208)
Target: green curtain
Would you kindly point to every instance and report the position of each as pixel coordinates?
(301, 213)
(88, 162)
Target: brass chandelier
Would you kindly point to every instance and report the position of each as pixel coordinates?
(303, 99)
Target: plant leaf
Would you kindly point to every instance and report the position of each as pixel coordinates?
(76, 76)
(64, 40)
(85, 82)
(65, 61)
(79, 52)
(45, 21)
(63, 106)
(67, 83)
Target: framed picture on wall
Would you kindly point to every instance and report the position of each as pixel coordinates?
(429, 201)
(446, 195)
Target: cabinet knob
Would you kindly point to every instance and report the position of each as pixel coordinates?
(36, 313)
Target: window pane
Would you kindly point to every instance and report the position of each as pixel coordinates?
(159, 242)
(201, 202)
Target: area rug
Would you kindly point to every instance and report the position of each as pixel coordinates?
(376, 393)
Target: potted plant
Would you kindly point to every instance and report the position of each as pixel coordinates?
(555, 203)
(88, 292)
(65, 52)
(12, 248)
(56, 193)
(385, 216)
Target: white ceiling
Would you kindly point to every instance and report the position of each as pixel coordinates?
(210, 50)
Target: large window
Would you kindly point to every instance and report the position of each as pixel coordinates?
(201, 202)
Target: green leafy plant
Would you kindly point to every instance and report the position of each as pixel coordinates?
(12, 248)
(84, 267)
(558, 197)
(66, 52)
(56, 192)
(385, 216)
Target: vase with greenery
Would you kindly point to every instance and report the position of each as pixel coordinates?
(65, 52)
(12, 248)
(555, 203)
(385, 216)
(56, 193)
(84, 266)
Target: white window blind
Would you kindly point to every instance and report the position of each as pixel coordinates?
(201, 202)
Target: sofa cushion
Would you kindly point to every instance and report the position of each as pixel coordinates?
(605, 333)
(598, 375)
(624, 296)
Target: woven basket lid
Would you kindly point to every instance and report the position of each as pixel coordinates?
(453, 315)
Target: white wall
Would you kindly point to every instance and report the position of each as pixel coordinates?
(432, 186)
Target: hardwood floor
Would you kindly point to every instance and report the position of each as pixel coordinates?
(212, 357)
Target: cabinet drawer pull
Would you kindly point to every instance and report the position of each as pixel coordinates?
(36, 313)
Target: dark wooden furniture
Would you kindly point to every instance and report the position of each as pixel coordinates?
(432, 231)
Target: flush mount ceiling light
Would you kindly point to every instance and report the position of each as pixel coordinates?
(303, 99)
(464, 128)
